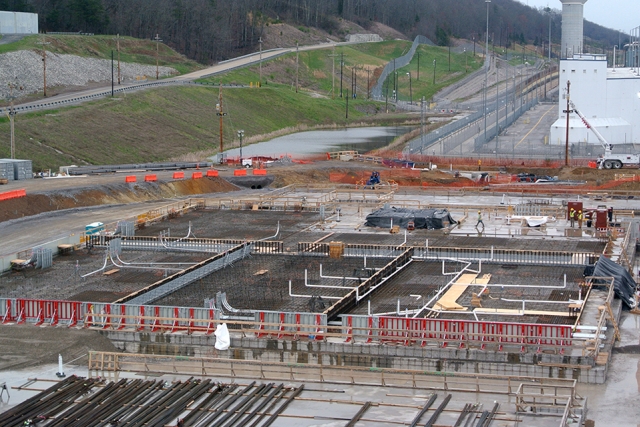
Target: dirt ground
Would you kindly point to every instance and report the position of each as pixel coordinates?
(23, 346)
(36, 203)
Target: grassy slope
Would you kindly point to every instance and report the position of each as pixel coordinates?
(315, 69)
(165, 123)
(162, 123)
(131, 49)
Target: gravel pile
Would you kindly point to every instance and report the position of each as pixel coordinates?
(24, 68)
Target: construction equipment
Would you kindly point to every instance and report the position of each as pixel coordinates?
(608, 160)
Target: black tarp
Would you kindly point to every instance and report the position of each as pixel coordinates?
(422, 218)
(623, 285)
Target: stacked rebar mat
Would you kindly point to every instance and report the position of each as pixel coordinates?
(81, 402)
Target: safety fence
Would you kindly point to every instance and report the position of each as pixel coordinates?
(441, 333)
(281, 324)
(152, 318)
(460, 333)
(512, 256)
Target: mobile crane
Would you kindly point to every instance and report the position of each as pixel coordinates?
(608, 160)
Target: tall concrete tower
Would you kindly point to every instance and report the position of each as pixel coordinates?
(572, 27)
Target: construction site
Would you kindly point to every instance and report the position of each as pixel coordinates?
(436, 292)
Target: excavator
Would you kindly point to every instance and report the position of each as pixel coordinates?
(608, 160)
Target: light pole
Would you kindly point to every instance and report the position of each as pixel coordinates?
(486, 71)
(434, 71)
(157, 39)
(240, 135)
(465, 60)
(410, 90)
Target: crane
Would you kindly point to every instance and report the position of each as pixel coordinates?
(608, 160)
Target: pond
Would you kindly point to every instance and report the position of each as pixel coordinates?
(322, 141)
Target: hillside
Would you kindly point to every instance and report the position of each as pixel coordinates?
(210, 31)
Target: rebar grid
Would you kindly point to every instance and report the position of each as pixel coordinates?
(261, 282)
(64, 281)
(221, 224)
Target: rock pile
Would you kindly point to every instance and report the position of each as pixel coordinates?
(24, 69)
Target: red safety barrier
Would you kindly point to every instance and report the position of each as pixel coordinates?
(150, 178)
(240, 172)
(14, 194)
(130, 178)
(196, 175)
(212, 172)
(178, 175)
(259, 171)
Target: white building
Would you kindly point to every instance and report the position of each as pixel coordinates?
(608, 98)
(18, 23)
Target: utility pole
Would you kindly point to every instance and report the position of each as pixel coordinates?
(354, 91)
(11, 115)
(333, 72)
(449, 58)
(341, 66)
(386, 98)
(157, 39)
(418, 78)
(368, 83)
(410, 90)
(260, 63)
(221, 114)
(112, 73)
(297, 67)
(44, 63)
(422, 120)
(117, 39)
(567, 111)
(486, 71)
(347, 109)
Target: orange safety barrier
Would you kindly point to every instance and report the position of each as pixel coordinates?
(259, 171)
(212, 172)
(130, 178)
(240, 172)
(178, 175)
(7, 195)
(196, 175)
(150, 178)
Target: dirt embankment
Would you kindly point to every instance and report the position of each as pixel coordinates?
(34, 204)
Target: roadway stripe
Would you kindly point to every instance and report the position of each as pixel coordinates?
(532, 129)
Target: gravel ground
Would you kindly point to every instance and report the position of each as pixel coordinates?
(25, 69)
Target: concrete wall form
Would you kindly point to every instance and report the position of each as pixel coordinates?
(18, 23)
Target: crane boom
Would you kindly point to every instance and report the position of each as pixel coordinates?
(605, 144)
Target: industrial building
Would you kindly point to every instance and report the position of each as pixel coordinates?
(18, 23)
(609, 98)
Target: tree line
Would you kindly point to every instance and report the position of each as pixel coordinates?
(213, 30)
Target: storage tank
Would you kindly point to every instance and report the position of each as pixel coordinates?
(572, 27)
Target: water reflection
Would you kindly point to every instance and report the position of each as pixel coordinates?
(322, 141)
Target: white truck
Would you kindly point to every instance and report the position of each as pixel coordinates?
(608, 160)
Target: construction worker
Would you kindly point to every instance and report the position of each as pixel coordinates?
(580, 219)
(479, 164)
(479, 220)
(572, 216)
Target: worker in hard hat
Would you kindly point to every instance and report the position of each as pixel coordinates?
(479, 220)
(572, 216)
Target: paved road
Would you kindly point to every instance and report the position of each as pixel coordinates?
(81, 96)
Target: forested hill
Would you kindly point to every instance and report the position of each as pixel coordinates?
(212, 30)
